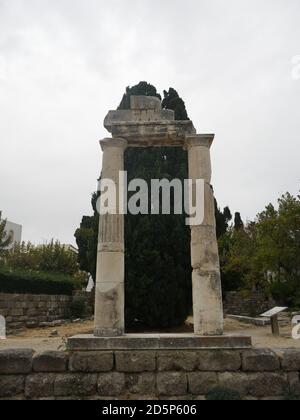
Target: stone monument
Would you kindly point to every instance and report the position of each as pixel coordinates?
(146, 124)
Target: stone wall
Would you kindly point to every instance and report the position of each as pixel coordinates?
(33, 311)
(247, 304)
(255, 374)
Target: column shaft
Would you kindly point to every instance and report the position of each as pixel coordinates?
(109, 299)
(207, 291)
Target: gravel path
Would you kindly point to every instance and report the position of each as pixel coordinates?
(41, 339)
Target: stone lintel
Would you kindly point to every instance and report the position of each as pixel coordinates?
(153, 134)
(157, 342)
(202, 140)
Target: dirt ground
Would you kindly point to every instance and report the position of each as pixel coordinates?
(41, 339)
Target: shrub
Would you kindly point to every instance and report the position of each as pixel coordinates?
(78, 307)
(19, 281)
(291, 397)
(51, 257)
(223, 394)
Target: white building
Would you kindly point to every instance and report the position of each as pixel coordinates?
(14, 230)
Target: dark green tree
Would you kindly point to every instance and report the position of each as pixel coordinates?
(223, 219)
(238, 222)
(87, 240)
(142, 88)
(156, 297)
(173, 101)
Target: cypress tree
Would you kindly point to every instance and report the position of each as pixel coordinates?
(238, 222)
(157, 256)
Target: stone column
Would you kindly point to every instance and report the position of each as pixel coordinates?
(109, 299)
(207, 292)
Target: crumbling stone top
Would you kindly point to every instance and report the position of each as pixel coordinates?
(147, 124)
(145, 102)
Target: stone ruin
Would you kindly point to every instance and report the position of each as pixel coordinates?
(146, 124)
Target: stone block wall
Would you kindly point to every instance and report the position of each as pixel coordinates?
(251, 304)
(89, 300)
(151, 374)
(33, 311)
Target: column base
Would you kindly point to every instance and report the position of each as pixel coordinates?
(157, 342)
(108, 332)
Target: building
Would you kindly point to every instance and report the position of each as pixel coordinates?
(14, 230)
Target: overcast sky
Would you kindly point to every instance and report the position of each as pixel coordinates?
(65, 63)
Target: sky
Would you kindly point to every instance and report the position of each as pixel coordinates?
(65, 63)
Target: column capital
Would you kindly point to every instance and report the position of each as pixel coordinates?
(113, 142)
(196, 140)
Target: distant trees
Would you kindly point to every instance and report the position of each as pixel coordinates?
(51, 269)
(51, 257)
(265, 253)
(5, 239)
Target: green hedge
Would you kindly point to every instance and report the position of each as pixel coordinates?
(36, 283)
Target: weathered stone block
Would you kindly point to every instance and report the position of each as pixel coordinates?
(219, 360)
(200, 383)
(32, 324)
(131, 362)
(111, 384)
(39, 385)
(17, 312)
(256, 384)
(290, 360)
(51, 361)
(141, 383)
(75, 385)
(15, 361)
(294, 381)
(91, 362)
(260, 360)
(11, 386)
(172, 383)
(177, 361)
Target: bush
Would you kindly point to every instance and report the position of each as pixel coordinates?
(291, 397)
(223, 394)
(51, 257)
(78, 308)
(18, 281)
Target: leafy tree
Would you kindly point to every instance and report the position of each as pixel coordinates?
(5, 240)
(279, 248)
(51, 257)
(265, 254)
(238, 259)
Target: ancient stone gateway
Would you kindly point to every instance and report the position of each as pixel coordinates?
(147, 125)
